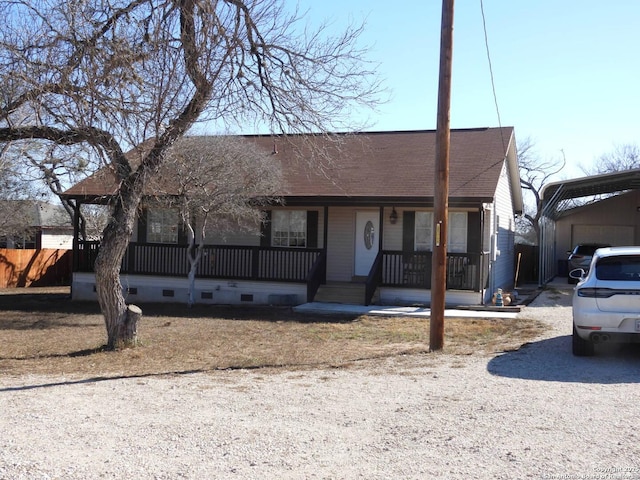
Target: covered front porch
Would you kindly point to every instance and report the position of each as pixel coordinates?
(281, 271)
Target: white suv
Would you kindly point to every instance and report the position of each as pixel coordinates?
(606, 301)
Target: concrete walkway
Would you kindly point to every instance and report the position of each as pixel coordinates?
(338, 308)
(527, 294)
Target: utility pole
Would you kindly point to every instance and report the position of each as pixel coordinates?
(441, 178)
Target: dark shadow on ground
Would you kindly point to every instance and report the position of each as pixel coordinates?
(99, 379)
(108, 378)
(87, 352)
(551, 360)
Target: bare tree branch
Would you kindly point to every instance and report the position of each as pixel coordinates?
(623, 157)
(216, 183)
(535, 172)
(135, 75)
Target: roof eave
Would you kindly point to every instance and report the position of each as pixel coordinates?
(384, 201)
(514, 176)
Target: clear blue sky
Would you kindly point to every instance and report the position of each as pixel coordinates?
(566, 71)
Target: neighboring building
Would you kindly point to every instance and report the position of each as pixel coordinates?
(36, 225)
(614, 220)
(365, 223)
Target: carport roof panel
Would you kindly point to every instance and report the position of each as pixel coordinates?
(593, 185)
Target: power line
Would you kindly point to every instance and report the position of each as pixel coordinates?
(495, 101)
(493, 85)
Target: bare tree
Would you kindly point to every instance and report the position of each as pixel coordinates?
(56, 168)
(535, 172)
(16, 202)
(623, 157)
(216, 183)
(116, 73)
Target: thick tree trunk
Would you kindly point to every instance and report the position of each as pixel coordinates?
(120, 321)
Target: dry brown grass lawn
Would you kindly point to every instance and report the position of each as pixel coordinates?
(48, 334)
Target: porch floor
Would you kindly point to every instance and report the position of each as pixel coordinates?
(527, 294)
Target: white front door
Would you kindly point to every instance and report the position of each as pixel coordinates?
(367, 238)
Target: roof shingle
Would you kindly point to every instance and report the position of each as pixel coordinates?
(374, 164)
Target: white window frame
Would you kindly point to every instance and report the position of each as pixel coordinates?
(289, 228)
(456, 232)
(423, 235)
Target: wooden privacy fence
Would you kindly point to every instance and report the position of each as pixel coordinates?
(34, 268)
(528, 263)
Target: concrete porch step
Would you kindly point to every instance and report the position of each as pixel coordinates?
(345, 293)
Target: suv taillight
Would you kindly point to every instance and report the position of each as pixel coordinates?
(596, 292)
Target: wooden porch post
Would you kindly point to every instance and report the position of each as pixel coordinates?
(325, 238)
(380, 233)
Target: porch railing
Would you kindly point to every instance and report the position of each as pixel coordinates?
(217, 261)
(402, 269)
(392, 268)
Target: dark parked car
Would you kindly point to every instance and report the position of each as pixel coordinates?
(580, 257)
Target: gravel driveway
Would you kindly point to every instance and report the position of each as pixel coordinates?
(533, 413)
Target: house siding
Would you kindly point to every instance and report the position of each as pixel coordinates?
(503, 233)
(392, 239)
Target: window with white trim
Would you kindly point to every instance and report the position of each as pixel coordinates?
(289, 228)
(423, 236)
(456, 232)
(162, 226)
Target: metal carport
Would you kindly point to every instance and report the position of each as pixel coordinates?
(555, 199)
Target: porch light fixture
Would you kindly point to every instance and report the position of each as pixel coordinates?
(393, 218)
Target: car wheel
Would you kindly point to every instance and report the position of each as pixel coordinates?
(580, 346)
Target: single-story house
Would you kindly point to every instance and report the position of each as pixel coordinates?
(35, 225)
(360, 231)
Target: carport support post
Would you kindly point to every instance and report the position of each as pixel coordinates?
(441, 187)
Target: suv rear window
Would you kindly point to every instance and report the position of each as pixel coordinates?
(625, 268)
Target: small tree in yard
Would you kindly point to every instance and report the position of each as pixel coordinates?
(15, 215)
(55, 167)
(217, 183)
(114, 74)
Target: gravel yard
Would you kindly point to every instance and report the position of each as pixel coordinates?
(537, 412)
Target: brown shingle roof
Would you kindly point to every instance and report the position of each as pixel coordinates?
(383, 165)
